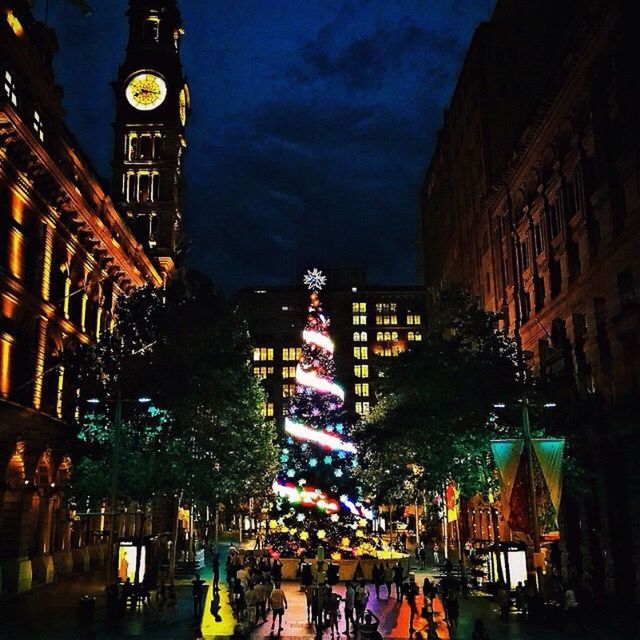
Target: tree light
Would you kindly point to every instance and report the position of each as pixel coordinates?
(499, 405)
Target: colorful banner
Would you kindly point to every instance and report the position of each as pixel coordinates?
(452, 496)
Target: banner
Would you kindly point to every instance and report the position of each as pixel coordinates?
(452, 496)
(549, 453)
(506, 454)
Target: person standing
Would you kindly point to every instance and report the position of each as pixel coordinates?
(436, 553)
(278, 605)
(333, 610)
(309, 595)
(398, 579)
(216, 570)
(504, 600)
(377, 574)
(412, 593)
(349, 605)
(422, 555)
(362, 597)
(388, 578)
(252, 605)
(452, 609)
(197, 591)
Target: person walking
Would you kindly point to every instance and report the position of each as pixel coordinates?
(252, 605)
(349, 606)
(197, 592)
(309, 596)
(261, 600)
(398, 579)
(369, 627)
(377, 574)
(412, 594)
(216, 570)
(388, 578)
(479, 632)
(278, 605)
(362, 597)
(333, 611)
(422, 554)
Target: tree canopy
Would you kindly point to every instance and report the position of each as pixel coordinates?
(436, 416)
(187, 350)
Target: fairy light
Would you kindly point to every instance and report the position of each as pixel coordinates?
(311, 379)
(319, 339)
(302, 432)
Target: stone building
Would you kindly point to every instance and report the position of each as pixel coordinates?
(65, 256)
(548, 236)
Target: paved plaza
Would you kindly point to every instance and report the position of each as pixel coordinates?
(50, 613)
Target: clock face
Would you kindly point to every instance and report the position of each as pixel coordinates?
(182, 98)
(146, 91)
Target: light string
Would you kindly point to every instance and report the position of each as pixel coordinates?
(327, 440)
(320, 340)
(313, 380)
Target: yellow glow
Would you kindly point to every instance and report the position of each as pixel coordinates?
(83, 313)
(15, 252)
(98, 322)
(59, 392)
(14, 23)
(183, 106)
(146, 91)
(67, 291)
(40, 354)
(46, 263)
(5, 364)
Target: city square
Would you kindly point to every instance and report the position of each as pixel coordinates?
(320, 319)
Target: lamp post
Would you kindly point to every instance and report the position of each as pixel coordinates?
(528, 447)
(115, 466)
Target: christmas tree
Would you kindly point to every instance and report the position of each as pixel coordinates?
(317, 499)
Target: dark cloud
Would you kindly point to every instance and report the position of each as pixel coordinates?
(311, 129)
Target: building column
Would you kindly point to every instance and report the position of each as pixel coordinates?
(15, 534)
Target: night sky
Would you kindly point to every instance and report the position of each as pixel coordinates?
(312, 126)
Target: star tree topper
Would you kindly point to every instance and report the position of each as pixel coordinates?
(315, 280)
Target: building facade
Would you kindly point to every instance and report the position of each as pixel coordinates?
(368, 323)
(550, 239)
(152, 105)
(65, 256)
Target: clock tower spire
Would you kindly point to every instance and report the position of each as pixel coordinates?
(152, 104)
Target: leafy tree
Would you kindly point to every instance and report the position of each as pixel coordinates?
(203, 434)
(437, 413)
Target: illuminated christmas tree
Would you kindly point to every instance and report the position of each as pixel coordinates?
(317, 499)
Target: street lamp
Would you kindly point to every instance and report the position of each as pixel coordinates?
(535, 524)
(115, 463)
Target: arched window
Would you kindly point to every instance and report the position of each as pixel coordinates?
(394, 335)
(379, 336)
(356, 336)
(387, 336)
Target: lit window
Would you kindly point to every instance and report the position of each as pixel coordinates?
(394, 335)
(151, 29)
(288, 372)
(288, 390)
(143, 146)
(362, 408)
(38, 127)
(360, 320)
(414, 336)
(10, 88)
(291, 353)
(359, 336)
(413, 318)
(362, 389)
(387, 336)
(361, 353)
(356, 336)
(359, 307)
(262, 372)
(263, 353)
(14, 23)
(267, 410)
(361, 370)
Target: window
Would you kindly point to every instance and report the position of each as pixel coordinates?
(262, 372)
(554, 220)
(263, 353)
(14, 23)
(359, 336)
(361, 353)
(38, 126)
(386, 313)
(359, 319)
(288, 372)
(414, 336)
(267, 410)
(523, 250)
(151, 29)
(143, 146)
(288, 390)
(361, 370)
(394, 335)
(141, 186)
(291, 354)
(537, 239)
(359, 307)
(362, 408)
(362, 389)
(414, 318)
(10, 89)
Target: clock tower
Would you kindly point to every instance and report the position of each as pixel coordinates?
(152, 104)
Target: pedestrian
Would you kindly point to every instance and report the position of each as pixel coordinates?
(504, 600)
(252, 605)
(398, 579)
(278, 605)
(403, 540)
(519, 592)
(361, 599)
(171, 600)
(197, 591)
(369, 627)
(276, 571)
(216, 570)
(388, 578)
(333, 610)
(377, 573)
(309, 592)
(349, 605)
(261, 600)
(452, 608)
(479, 632)
(436, 554)
(423, 555)
(412, 592)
